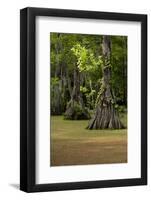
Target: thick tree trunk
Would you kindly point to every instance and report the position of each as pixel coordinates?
(75, 107)
(105, 115)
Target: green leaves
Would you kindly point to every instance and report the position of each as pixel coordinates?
(54, 80)
(86, 61)
(83, 89)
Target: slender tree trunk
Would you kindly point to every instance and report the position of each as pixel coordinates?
(75, 107)
(69, 83)
(105, 115)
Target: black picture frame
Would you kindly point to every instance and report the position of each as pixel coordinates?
(28, 99)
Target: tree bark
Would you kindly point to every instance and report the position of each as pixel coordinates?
(75, 107)
(105, 116)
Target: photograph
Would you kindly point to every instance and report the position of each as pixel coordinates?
(88, 99)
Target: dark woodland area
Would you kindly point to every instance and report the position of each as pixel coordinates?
(89, 78)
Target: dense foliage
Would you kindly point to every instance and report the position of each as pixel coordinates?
(84, 53)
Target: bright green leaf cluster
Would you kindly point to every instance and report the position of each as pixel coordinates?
(86, 61)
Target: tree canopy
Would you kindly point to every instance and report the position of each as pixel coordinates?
(80, 56)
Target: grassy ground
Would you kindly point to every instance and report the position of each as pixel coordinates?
(72, 144)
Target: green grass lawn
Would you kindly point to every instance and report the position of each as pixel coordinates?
(73, 144)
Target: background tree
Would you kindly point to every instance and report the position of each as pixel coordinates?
(75, 107)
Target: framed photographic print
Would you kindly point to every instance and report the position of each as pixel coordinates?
(83, 99)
